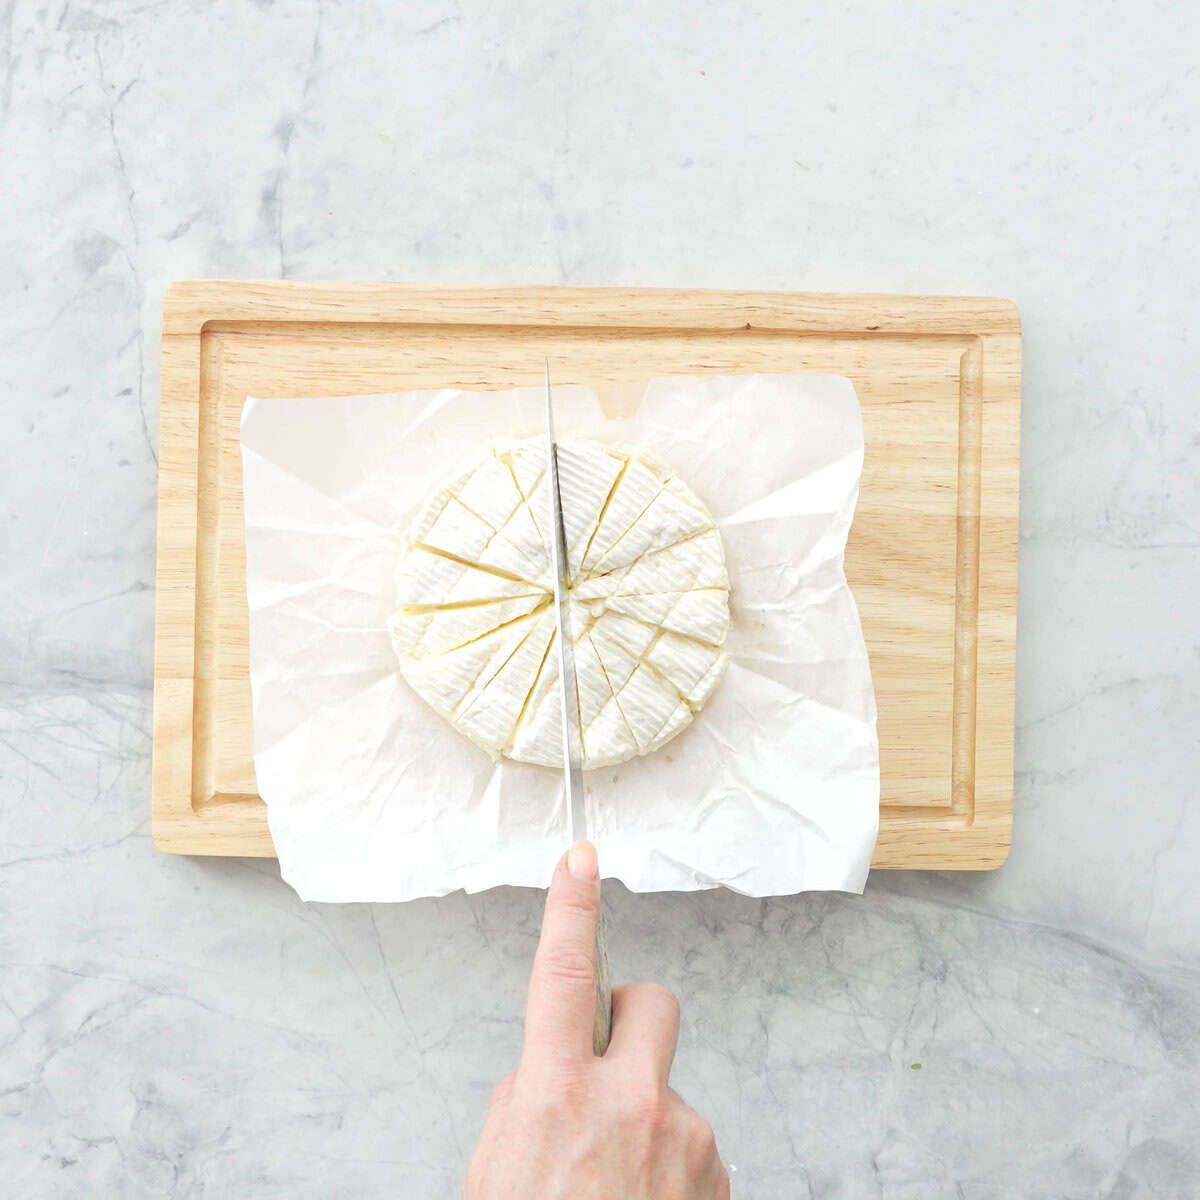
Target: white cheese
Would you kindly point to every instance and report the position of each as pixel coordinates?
(431, 579)
(698, 562)
(632, 495)
(425, 634)
(669, 519)
(587, 474)
(702, 614)
(445, 680)
(474, 627)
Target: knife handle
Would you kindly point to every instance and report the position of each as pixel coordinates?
(602, 1029)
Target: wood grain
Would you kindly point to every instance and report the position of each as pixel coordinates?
(931, 558)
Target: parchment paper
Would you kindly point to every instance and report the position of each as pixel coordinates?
(773, 789)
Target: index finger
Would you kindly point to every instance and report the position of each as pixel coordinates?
(562, 986)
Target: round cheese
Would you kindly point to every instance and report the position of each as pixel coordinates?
(474, 627)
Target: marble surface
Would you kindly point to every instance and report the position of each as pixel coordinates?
(174, 1027)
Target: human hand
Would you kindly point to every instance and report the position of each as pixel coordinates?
(568, 1124)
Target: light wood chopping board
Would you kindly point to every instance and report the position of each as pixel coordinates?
(931, 559)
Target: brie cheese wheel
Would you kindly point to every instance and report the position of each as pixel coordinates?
(474, 627)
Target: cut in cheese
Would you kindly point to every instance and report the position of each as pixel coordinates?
(474, 627)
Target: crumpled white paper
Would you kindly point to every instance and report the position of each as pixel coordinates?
(371, 796)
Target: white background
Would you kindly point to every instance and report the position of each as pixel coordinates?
(175, 1027)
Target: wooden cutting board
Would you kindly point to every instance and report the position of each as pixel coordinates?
(931, 559)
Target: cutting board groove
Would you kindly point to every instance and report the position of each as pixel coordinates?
(931, 558)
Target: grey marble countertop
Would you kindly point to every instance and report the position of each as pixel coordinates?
(175, 1027)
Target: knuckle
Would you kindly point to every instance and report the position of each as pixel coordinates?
(647, 1105)
(701, 1141)
(502, 1091)
(585, 901)
(560, 1091)
(573, 966)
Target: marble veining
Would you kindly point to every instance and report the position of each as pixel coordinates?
(178, 1027)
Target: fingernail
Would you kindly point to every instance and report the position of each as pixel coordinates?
(582, 861)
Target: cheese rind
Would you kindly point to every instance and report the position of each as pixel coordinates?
(632, 495)
(475, 631)
(669, 519)
(422, 634)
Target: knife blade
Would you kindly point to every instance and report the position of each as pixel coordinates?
(572, 735)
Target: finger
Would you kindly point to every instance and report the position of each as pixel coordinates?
(562, 987)
(645, 1027)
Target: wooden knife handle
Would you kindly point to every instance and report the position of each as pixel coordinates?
(602, 1028)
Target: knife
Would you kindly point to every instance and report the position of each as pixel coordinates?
(572, 737)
